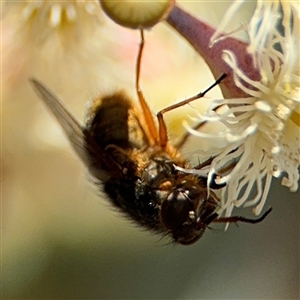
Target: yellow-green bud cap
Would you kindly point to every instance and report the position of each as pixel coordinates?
(137, 14)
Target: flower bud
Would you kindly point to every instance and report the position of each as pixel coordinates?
(137, 15)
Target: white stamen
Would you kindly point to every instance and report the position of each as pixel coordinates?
(55, 15)
(276, 150)
(263, 106)
(29, 9)
(226, 19)
(71, 13)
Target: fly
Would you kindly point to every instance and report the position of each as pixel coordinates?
(131, 157)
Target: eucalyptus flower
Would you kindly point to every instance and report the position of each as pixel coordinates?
(261, 122)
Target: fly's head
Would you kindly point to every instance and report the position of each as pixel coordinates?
(187, 210)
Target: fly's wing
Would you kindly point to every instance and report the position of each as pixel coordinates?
(71, 127)
(94, 158)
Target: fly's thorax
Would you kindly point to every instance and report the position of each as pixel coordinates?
(112, 120)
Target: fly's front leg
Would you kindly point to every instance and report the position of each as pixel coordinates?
(162, 129)
(236, 219)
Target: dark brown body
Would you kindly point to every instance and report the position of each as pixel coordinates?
(138, 177)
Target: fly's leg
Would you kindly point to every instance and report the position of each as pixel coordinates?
(160, 137)
(162, 129)
(236, 219)
(147, 113)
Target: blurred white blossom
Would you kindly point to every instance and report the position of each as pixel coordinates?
(38, 20)
(40, 38)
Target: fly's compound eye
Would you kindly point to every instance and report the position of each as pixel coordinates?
(179, 206)
(175, 209)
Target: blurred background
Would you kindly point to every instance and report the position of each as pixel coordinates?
(60, 237)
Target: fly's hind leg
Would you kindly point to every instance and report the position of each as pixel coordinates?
(160, 137)
(152, 130)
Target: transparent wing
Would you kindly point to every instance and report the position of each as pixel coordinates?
(72, 128)
(100, 164)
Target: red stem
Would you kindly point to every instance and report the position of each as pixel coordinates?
(198, 34)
